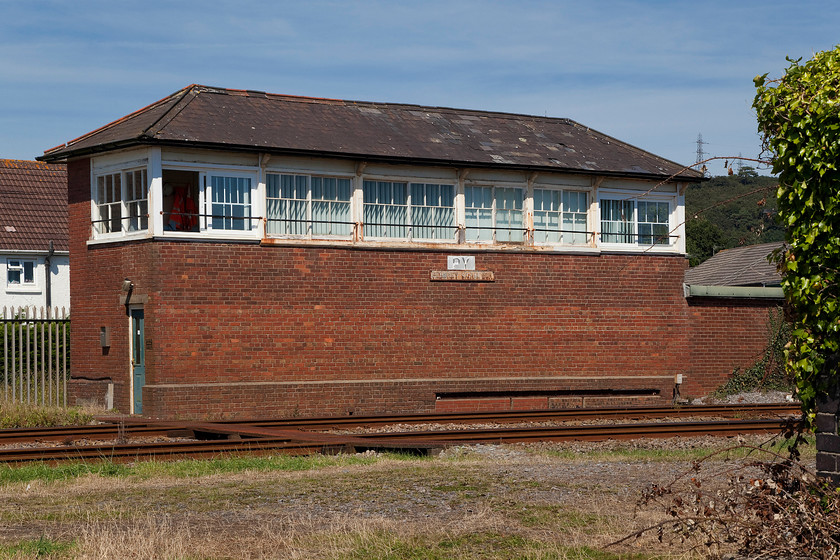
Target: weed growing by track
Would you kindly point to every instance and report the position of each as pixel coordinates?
(17, 415)
(41, 547)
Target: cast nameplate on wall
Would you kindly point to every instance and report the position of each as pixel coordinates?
(463, 276)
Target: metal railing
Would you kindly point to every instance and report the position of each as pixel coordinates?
(528, 235)
(35, 355)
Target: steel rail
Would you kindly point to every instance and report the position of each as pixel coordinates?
(566, 414)
(590, 432)
(263, 440)
(130, 427)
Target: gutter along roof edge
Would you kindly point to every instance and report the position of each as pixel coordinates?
(745, 292)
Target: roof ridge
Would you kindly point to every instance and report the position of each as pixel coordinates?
(171, 113)
(40, 164)
(351, 102)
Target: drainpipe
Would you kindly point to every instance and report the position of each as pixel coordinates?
(47, 261)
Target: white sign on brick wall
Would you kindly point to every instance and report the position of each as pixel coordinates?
(460, 262)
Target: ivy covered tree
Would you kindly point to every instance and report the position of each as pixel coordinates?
(799, 119)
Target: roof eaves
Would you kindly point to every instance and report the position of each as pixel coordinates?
(98, 149)
(64, 151)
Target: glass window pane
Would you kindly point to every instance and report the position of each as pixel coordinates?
(385, 209)
(509, 219)
(318, 188)
(432, 211)
(231, 208)
(479, 214)
(546, 216)
(618, 222)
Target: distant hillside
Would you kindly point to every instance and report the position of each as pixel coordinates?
(730, 210)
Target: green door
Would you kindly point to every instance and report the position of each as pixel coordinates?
(138, 359)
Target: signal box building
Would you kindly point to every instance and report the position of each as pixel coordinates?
(243, 254)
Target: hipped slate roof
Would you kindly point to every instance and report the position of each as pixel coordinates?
(742, 266)
(33, 206)
(216, 118)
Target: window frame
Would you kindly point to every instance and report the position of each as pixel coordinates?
(206, 203)
(624, 197)
(19, 265)
(494, 214)
(309, 206)
(563, 234)
(130, 210)
(410, 225)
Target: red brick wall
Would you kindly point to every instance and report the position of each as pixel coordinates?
(725, 334)
(248, 330)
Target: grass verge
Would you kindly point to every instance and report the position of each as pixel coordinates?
(22, 415)
(191, 468)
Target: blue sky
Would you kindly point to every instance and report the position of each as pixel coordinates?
(652, 73)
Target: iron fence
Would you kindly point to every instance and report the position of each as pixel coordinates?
(35, 355)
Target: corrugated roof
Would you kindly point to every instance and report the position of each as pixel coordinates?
(255, 121)
(33, 206)
(741, 266)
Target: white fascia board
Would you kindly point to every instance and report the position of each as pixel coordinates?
(32, 253)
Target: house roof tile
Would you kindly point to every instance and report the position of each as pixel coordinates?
(33, 206)
(246, 120)
(741, 266)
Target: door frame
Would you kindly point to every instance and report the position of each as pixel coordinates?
(131, 310)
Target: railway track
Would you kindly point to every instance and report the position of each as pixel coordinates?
(128, 427)
(287, 436)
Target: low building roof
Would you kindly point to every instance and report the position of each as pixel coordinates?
(33, 206)
(741, 266)
(207, 117)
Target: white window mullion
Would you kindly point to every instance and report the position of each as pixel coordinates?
(408, 214)
(309, 224)
(493, 210)
(124, 210)
(203, 202)
(154, 171)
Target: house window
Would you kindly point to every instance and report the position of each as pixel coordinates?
(230, 203)
(308, 205)
(409, 210)
(494, 214)
(20, 273)
(559, 216)
(108, 203)
(122, 202)
(629, 221)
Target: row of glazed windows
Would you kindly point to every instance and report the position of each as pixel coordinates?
(302, 205)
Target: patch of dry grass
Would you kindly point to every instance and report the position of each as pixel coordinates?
(22, 415)
(488, 502)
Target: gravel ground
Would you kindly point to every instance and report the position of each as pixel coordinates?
(755, 397)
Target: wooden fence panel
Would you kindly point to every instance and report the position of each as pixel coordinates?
(35, 355)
